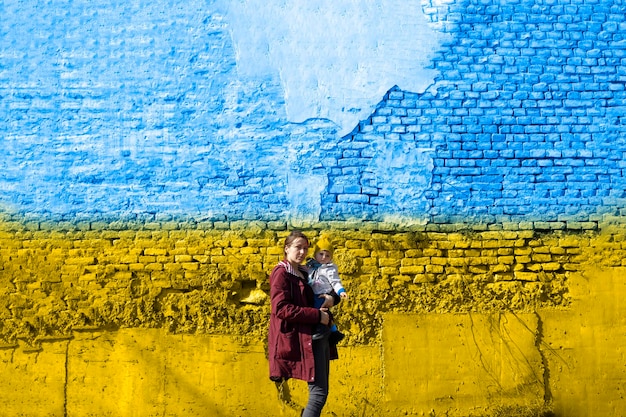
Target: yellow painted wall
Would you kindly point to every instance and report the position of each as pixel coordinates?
(585, 346)
(171, 320)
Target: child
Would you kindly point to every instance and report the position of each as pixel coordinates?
(324, 278)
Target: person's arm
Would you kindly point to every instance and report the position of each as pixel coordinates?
(330, 299)
(282, 300)
(332, 273)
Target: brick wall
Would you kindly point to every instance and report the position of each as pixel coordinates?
(147, 186)
(525, 121)
(208, 280)
(117, 110)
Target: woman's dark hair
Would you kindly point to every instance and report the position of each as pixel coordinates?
(295, 234)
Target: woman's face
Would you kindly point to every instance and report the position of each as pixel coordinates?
(296, 252)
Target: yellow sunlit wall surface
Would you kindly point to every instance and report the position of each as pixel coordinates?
(169, 319)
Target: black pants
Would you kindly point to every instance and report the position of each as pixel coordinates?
(318, 389)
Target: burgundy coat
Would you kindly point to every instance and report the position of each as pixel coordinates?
(292, 321)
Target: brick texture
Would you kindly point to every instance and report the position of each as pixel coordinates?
(114, 110)
(201, 280)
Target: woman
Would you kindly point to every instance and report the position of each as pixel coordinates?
(292, 351)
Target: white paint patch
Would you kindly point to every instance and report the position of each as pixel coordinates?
(304, 193)
(335, 58)
(404, 173)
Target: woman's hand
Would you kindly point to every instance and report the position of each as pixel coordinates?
(329, 301)
(324, 316)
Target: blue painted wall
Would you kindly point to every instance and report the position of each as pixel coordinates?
(122, 109)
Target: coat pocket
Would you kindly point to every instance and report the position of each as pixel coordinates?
(288, 343)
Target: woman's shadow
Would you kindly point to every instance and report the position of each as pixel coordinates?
(284, 395)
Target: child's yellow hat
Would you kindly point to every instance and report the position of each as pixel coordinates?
(324, 244)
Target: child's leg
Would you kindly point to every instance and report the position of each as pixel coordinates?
(320, 330)
(317, 301)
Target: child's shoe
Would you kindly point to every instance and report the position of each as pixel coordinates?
(335, 337)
